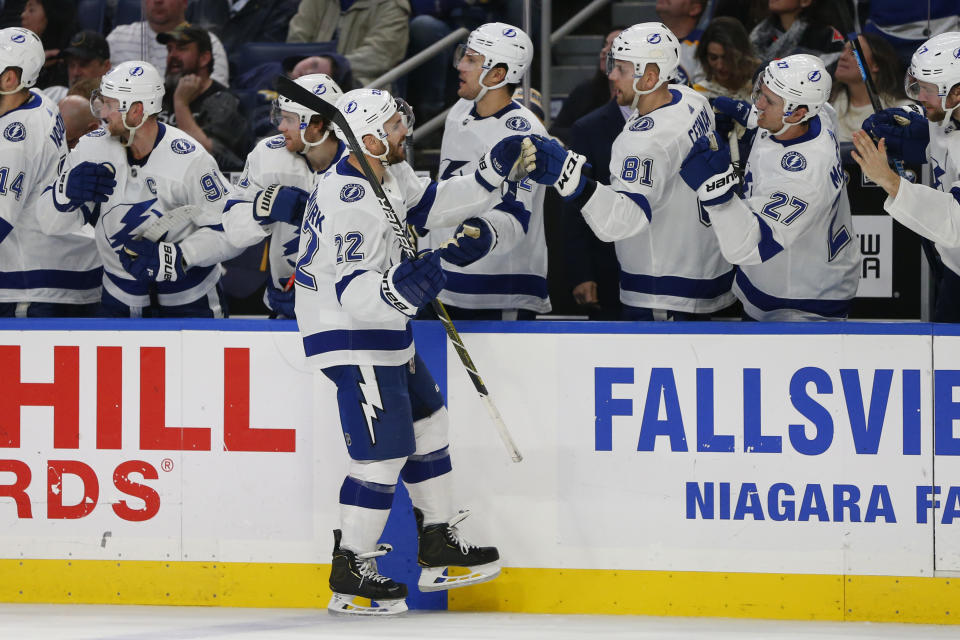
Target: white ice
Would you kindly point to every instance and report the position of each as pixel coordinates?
(102, 622)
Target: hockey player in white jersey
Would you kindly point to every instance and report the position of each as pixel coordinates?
(791, 234)
(670, 262)
(304, 149)
(932, 211)
(510, 282)
(355, 298)
(127, 176)
(39, 275)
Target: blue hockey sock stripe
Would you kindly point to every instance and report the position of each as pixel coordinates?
(369, 495)
(429, 465)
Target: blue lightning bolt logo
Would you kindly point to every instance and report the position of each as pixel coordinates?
(134, 218)
(370, 398)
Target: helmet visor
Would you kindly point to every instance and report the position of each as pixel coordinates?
(471, 59)
(919, 90)
(278, 115)
(101, 105)
(406, 114)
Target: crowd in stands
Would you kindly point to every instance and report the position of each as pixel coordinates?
(220, 59)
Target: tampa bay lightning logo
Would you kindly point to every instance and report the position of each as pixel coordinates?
(351, 106)
(956, 53)
(352, 192)
(643, 124)
(320, 89)
(783, 64)
(275, 142)
(97, 133)
(509, 32)
(653, 38)
(813, 76)
(19, 38)
(15, 132)
(518, 123)
(136, 71)
(793, 161)
(182, 146)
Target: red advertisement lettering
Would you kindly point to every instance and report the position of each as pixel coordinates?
(122, 481)
(238, 435)
(109, 397)
(153, 434)
(63, 394)
(17, 490)
(56, 469)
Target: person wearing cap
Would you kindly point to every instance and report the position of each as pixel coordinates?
(373, 36)
(137, 41)
(87, 56)
(196, 103)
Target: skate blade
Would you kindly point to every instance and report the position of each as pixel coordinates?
(343, 604)
(443, 578)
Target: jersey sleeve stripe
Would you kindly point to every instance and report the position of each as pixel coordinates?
(345, 280)
(417, 214)
(639, 200)
(768, 247)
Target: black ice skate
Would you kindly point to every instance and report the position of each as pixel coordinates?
(447, 560)
(354, 575)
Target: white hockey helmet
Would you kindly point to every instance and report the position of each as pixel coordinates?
(498, 43)
(129, 83)
(319, 84)
(21, 48)
(801, 80)
(643, 44)
(936, 63)
(367, 112)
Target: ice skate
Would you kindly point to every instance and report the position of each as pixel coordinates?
(447, 560)
(358, 588)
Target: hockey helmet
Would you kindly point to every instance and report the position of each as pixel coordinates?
(319, 84)
(131, 82)
(642, 44)
(935, 64)
(21, 48)
(498, 43)
(367, 112)
(801, 80)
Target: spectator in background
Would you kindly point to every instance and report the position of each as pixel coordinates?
(793, 26)
(371, 34)
(78, 120)
(749, 12)
(906, 25)
(850, 98)
(84, 87)
(588, 95)
(127, 40)
(727, 59)
(87, 56)
(196, 103)
(681, 17)
(237, 21)
(54, 21)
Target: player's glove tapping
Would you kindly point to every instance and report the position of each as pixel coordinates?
(278, 203)
(472, 240)
(554, 165)
(411, 284)
(729, 111)
(907, 133)
(86, 182)
(499, 163)
(153, 261)
(707, 170)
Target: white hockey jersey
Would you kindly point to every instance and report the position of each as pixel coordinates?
(177, 172)
(669, 257)
(345, 246)
(792, 235)
(35, 267)
(935, 213)
(271, 163)
(514, 274)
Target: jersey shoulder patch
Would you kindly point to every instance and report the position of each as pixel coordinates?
(793, 161)
(97, 133)
(275, 142)
(352, 192)
(182, 146)
(15, 132)
(517, 123)
(642, 124)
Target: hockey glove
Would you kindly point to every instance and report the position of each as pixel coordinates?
(730, 111)
(555, 165)
(86, 182)
(278, 203)
(907, 133)
(153, 261)
(472, 240)
(281, 302)
(708, 172)
(410, 284)
(499, 162)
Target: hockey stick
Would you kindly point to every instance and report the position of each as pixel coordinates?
(298, 94)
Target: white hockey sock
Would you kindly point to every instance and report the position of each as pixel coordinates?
(433, 497)
(361, 527)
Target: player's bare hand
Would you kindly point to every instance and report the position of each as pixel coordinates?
(188, 88)
(585, 293)
(873, 162)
